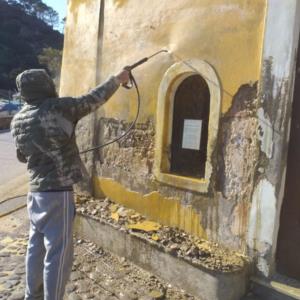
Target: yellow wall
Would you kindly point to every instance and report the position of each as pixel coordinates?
(227, 34)
(165, 210)
(78, 73)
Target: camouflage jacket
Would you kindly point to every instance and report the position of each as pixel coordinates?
(44, 135)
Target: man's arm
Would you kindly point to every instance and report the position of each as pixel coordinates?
(21, 157)
(85, 104)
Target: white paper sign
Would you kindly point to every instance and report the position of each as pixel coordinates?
(191, 134)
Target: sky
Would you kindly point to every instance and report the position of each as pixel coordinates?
(59, 5)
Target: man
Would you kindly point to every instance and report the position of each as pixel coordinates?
(44, 136)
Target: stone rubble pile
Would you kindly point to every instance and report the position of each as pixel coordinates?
(172, 240)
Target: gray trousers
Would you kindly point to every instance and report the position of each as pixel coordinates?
(50, 247)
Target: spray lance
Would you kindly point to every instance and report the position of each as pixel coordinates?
(138, 63)
(132, 83)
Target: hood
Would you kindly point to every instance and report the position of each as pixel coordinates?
(35, 84)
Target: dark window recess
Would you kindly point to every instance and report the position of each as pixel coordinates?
(190, 127)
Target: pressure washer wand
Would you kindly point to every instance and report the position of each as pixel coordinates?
(132, 83)
(143, 60)
(138, 63)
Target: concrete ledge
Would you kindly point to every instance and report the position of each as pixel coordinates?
(198, 281)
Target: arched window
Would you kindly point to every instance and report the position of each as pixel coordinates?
(187, 121)
(190, 127)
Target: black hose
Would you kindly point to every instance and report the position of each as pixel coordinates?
(132, 79)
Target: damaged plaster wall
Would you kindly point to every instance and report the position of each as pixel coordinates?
(222, 214)
(238, 158)
(275, 94)
(261, 223)
(133, 155)
(242, 208)
(224, 211)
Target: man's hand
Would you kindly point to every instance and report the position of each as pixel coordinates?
(21, 157)
(123, 77)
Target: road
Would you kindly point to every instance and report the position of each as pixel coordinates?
(13, 174)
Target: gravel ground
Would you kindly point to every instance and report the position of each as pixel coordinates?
(98, 274)
(12, 269)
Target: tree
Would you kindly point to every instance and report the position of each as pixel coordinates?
(38, 9)
(23, 37)
(52, 17)
(51, 58)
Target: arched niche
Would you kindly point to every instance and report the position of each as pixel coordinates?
(187, 121)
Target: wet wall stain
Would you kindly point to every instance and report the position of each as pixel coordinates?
(273, 117)
(119, 3)
(274, 95)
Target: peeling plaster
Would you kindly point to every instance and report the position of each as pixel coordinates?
(262, 217)
(238, 140)
(137, 148)
(265, 133)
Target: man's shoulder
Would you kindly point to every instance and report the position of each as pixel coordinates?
(19, 115)
(28, 113)
(55, 103)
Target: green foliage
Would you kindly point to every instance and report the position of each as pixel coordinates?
(39, 9)
(51, 58)
(23, 36)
